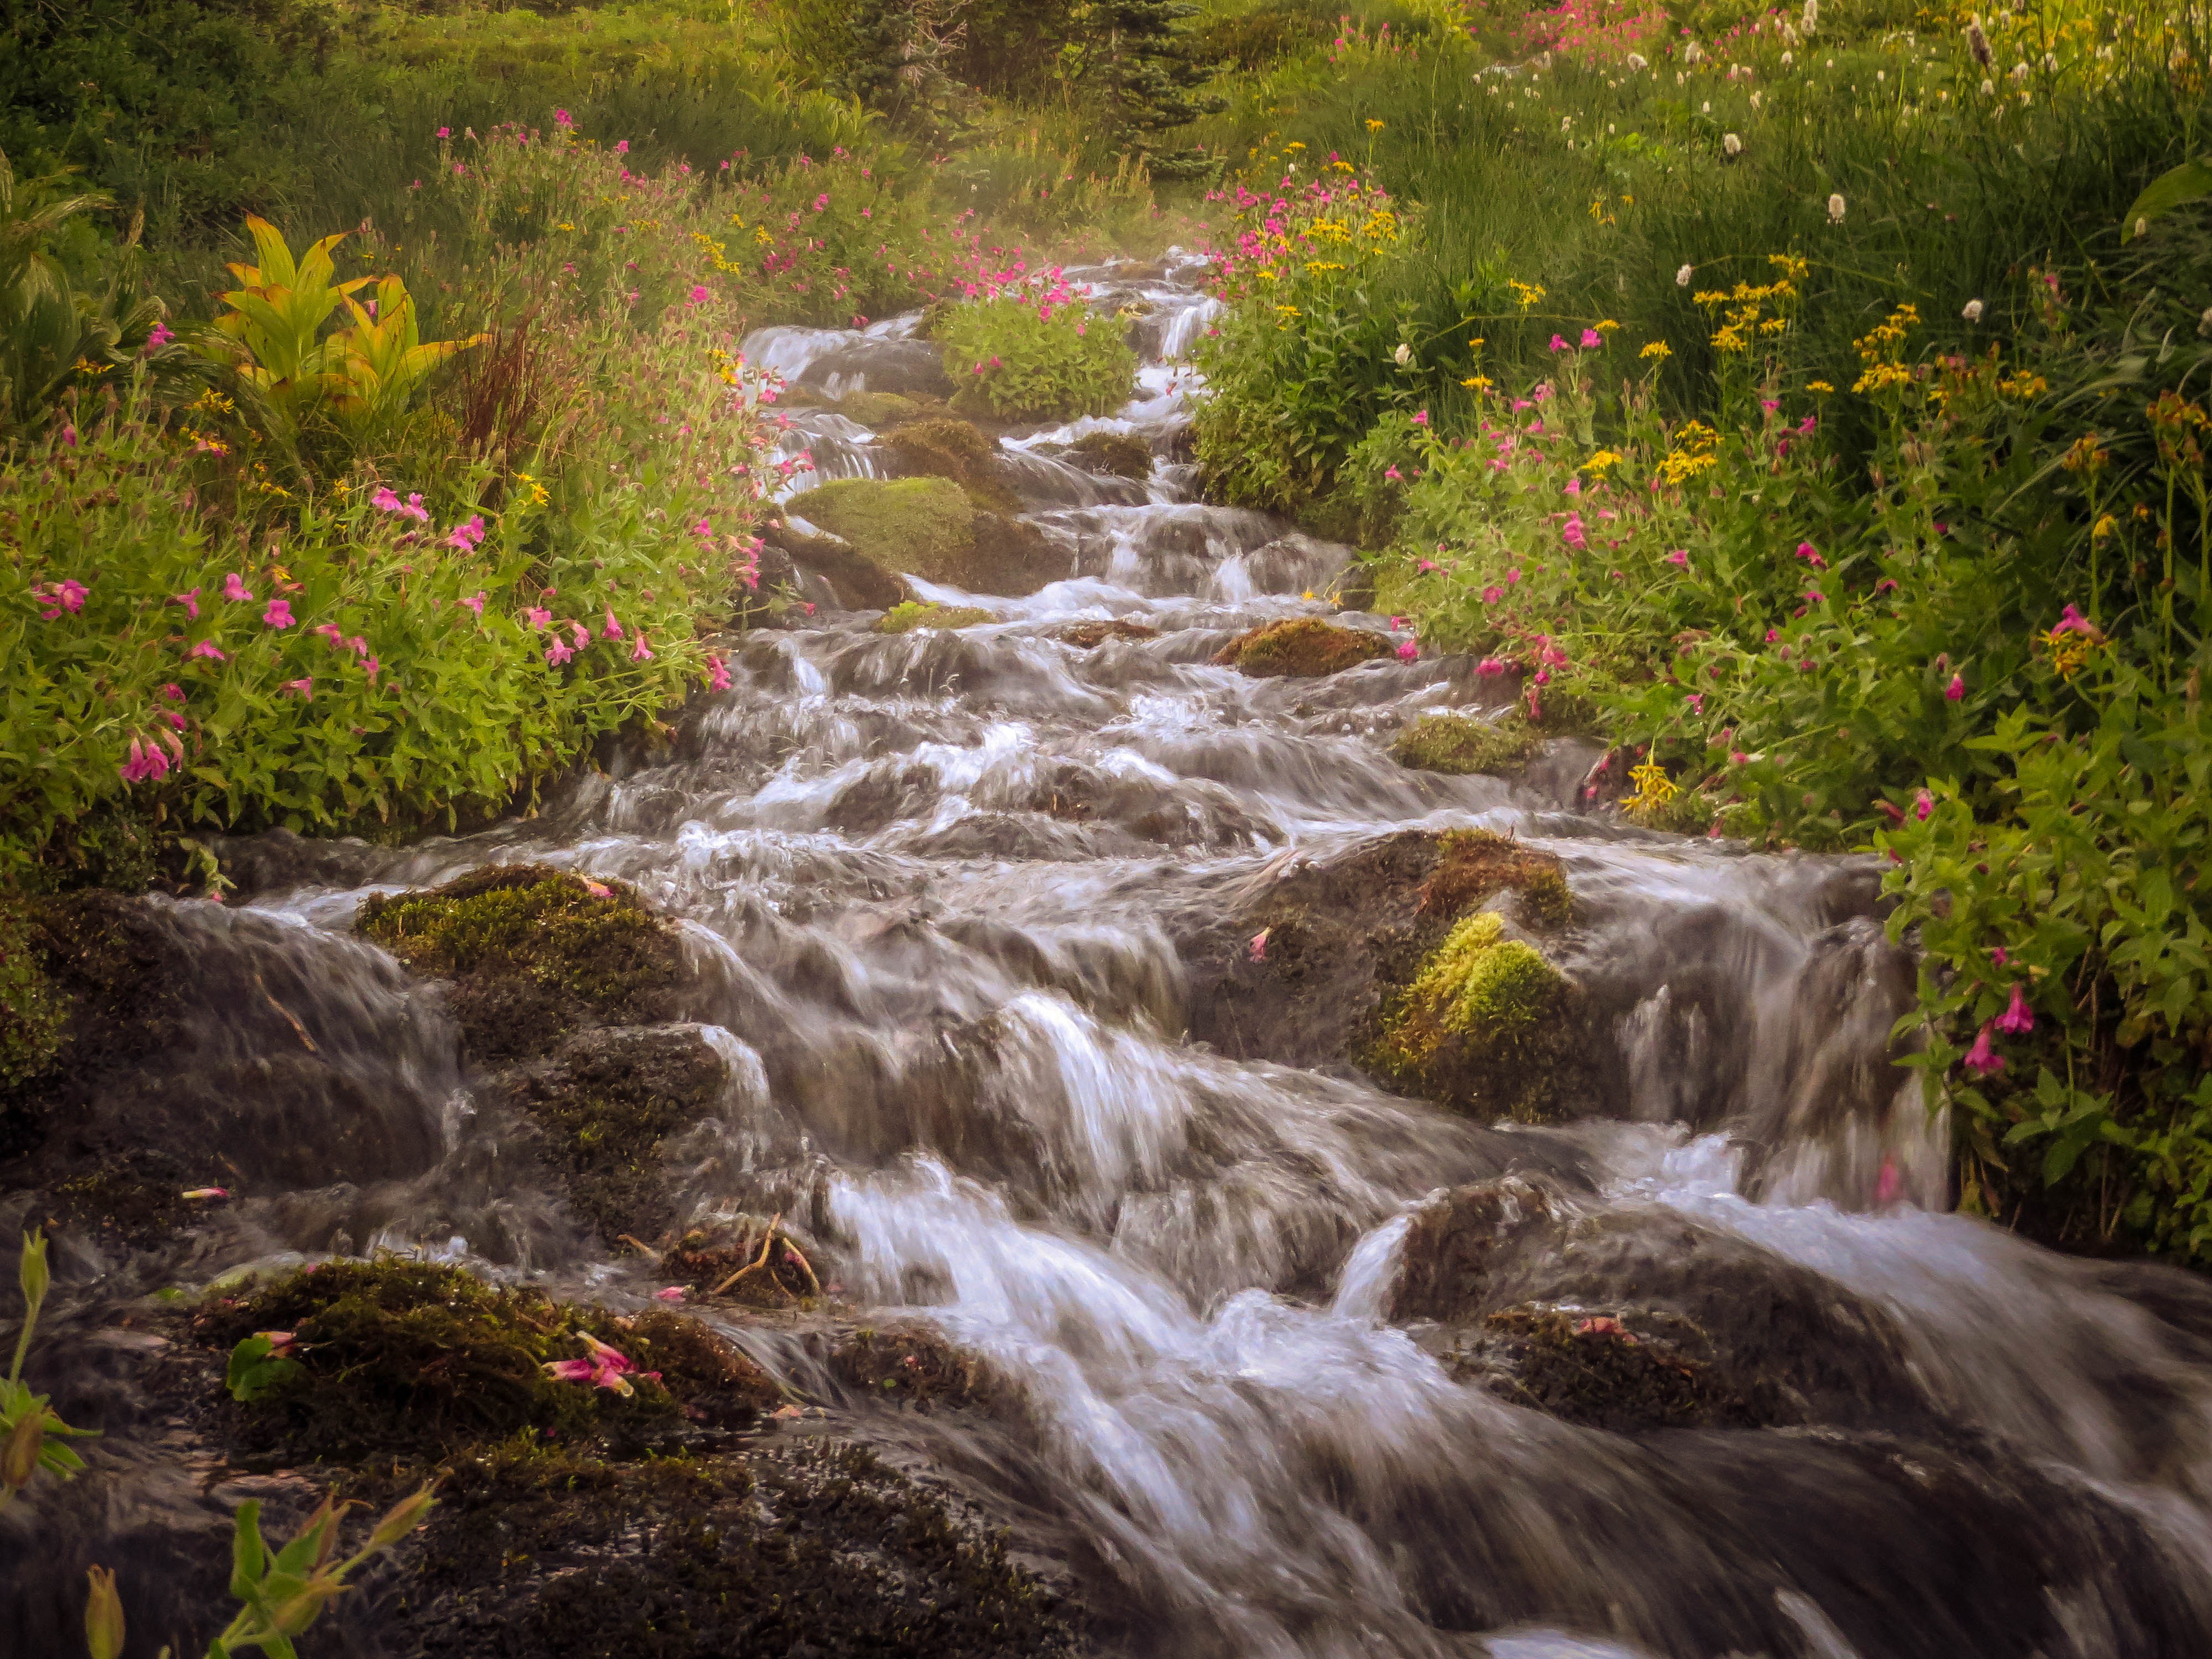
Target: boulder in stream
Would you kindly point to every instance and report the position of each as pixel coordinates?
(956, 450)
(1462, 743)
(1300, 647)
(931, 528)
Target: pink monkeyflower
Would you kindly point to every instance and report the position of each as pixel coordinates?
(415, 510)
(1923, 806)
(331, 632)
(1592, 338)
(278, 614)
(161, 335)
(1255, 948)
(613, 630)
(603, 1367)
(305, 687)
(1422, 418)
(1490, 668)
(386, 500)
(205, 1192)
(1679, 556)
(444, 132)
(557, 654)
(2073, 622)
(1512, 575)
(1572, 532)
(1408, 651)
(1769, 404)
(563, 118)
(640, 652)
(468, 537)
(235, 591)
(581, 633)
(1492, 594)
(189, 599)
(1737, 757)
(621, 148)
(69, 593)
(1891, 811)
(207, 648)
(673, 1293)
(699, 294)
(1424, 564)
(68, 434)
(979, 368)
(537, 617)
(174, 693)
(2018, 1019)
(1806, 552)
(1805, 426)
(474, 602)
(1956, 691)
(718, 673)
(1557, 344)
(1999, 955)
(1980, 1060)
(373, 668)
(1393, 474)
(1886, 585)
(998, 362)
(1696, 700)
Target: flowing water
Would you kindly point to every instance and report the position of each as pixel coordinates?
(938, 889)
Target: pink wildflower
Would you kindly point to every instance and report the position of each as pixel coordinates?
(161, 335)
(1999, 955)
(557, 654)
(305, 687)
(1980, 1060)
(1408, 651)
(1923, 806)
(581, 633)
(384, 500)
(235, 591)
(207, 648)
(1490, 668)
(1422, 418)
(1679, 556)
(1255, 948)
(1956, 691)
(1572, 532)
(474, 602)
(1806, 552)
(2018, 1019)
(718, 673)
(2073, 622)
(1557, 344)
(1492, 594)
(613, 630)
(537, 617)
(189, 599)
(640, 652)
(603, 1366)
(278, 614)
(1591, 339)
(673, 1293)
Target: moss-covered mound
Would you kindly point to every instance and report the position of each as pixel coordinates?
(1462, 744)
(534, 954)
(905, 618)
(799, 561)
(930, 528)
(1382, 958)
(411, 1358)
(604, 1108)
(1300, 647)
(806, 1549)
(1090, 635)
(879, 410)
(915, 1366)
(1114, 454)
(954, 450)
(1481, 1024)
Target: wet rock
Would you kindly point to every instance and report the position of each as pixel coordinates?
(929, 528)
(1114, 454)
(1771, 1342)
(853, 583)
(1090, 635)
(1627, 1373)
(955, 450)
(1387, 959)
(905, 618)
(1460, 744)
(1302, 646)
(908, 369)
(880, 411)
(606, 1107)
(533, 953)
(915, 1366)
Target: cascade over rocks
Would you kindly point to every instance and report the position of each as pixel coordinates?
(955, 450)
(929, 528)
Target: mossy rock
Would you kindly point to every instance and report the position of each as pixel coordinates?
(534, 954)
(413, 1359)
(916, 1367)
(879, 410)
(606, 1108)
(1624, 1374)
(930, 528)
(33, 1010)
(1117, 454)
(809, 1548)
(904, 618)
(756, 1263)
(1318, 969)
(1300, 647)
(1090, 635)
(856, 583)
(1459, 744)
(1479, 1025)
(955, 450)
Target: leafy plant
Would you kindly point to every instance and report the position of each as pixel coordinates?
(31, 1436)
(1036, 352)
(258, 1364)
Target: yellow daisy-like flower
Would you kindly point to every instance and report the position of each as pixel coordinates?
(1658, 351)
(1654, 788)
(1375, 126)
(1818, 386)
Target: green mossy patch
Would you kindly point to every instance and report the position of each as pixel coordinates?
(1472, 864)
(604, 1108)
(1114, 454)
(1479, 1025)
(1090, 635)
(954, 450)
(33, 1012)
(413, 1359)
(807, 1549)
(534, 954)
(877, 410)
(1300, 647)
(1462, 744)
(915, 1366)
(906, 617)
(930, 528)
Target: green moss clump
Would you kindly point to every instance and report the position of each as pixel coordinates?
(1303, 646)
(954, 450)
(905, 617)
(877, 410)
(535, 954)
(1114, 454)
(1481, 1025)
(1090, 635)
(414, 1358)
(1462, 744)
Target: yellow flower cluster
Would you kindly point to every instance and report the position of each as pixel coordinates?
(1525, 294)
(1654, 788)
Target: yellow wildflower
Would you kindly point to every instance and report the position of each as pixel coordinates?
(1658, 351)
(1654, 788)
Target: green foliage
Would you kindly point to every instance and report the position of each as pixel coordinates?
(1462, 744)
(32, 1014)
(32, 1437)
(1040, 356)
(256, 1366)
(906, 617)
